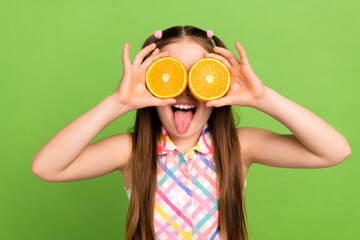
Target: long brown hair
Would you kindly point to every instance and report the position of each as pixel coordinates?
(228, 163)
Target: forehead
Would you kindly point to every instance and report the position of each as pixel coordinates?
(186, 51)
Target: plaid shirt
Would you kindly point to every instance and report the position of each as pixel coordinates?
(186, 205)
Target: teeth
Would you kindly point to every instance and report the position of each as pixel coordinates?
(184, 106)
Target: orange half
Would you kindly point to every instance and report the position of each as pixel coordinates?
(166, 77)
(209, 79)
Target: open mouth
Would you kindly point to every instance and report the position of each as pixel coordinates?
(184, 108)
(183, 115)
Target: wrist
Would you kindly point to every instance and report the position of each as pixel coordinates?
(265, 98)
(117, 107)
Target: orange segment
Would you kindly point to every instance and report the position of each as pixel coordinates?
(166, 77)
(209, 79)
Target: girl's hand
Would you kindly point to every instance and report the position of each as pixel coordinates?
(131, 91)
(245, 87)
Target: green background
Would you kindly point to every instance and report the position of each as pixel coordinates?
(58, 59)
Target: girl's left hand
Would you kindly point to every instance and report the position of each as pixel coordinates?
(245, 87)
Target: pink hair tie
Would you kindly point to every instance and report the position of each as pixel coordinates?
(158, 34)
(209, 33)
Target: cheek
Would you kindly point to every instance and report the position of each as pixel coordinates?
(159, 112)
(162, 112)
(206, 112)
(209, 111)
(160, 109)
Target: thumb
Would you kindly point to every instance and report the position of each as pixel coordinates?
(219, 102)
(163, 102)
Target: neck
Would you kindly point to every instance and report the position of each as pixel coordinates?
(184, 143)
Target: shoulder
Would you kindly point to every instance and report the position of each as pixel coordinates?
(252, 139)
(120, 140)
(248, 138)
(121, 143)
(244, 135)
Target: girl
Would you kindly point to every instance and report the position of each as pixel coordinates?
(185, 170)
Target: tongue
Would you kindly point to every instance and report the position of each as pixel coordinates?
(182, 120)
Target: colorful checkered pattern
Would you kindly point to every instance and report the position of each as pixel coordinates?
(186, 205)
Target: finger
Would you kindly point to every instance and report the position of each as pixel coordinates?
(219, 102)
(151, 59)
(218, 57)
(125, 56)
(228, 54)
(143, 52)
(163, 102)
(242, 53)
(156, 51)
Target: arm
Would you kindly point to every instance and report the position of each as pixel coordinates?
(70, 147)
(314, 143)
(68, 156)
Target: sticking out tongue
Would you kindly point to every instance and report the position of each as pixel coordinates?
(183, 120)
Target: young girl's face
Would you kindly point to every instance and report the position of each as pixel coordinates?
(183, 123)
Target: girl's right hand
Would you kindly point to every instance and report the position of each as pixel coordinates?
(131, 91)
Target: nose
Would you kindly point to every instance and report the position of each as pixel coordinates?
(186, 92)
